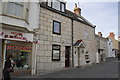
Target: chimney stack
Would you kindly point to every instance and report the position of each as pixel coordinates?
(100, 34)
(77, 10)
(112, 35)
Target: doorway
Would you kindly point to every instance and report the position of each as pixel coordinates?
(67, 56)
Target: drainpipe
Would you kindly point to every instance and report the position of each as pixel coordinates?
(72, 44)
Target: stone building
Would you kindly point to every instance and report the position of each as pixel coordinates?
(54, 37)
(17, 37)
(66, 38)
(101, 48)
(83, 39)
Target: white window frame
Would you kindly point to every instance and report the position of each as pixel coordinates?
(24, 15)
(62, 9)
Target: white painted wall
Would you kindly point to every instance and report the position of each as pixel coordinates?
(97, 57)
(75, 57)
(110, 47)
(33, 19)
(34, 15)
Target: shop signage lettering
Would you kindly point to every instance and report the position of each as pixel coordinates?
(18, 36)
(18, 47)
(13, 35)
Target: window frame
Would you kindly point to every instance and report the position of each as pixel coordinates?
(58, 50)
(51, 3)
(54, 5)
(59, 28)
(14, 15)
(60, 5)
(23, 15)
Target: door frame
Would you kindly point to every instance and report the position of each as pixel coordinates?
(67, 49)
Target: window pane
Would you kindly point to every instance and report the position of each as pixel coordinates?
(11, 8)
(27, 14)
(15, 9)
(19, 10)
(56, 5)
(56, 27)
(56, 54)
(49, 3)
(62, 7)
(21, 55)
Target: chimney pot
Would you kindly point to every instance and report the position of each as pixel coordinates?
(112, 35)
(77, 10)
(100, 34)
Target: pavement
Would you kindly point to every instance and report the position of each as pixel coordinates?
(107, 69)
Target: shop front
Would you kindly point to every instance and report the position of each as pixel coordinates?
(21, 55)
(1, 56)
(19, 46)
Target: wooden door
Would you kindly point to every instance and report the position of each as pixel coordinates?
(67, 56)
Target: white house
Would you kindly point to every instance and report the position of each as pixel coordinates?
(111, 52)
(17, 35)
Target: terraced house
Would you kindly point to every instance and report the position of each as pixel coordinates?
(66, 38)
(103, 46)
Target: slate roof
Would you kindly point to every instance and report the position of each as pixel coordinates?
(69, 14)
(79, 18)
(101, 37)
(79, 43)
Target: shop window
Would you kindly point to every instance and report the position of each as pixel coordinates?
(56, 52)
(21, 53)
(56, 27)
(1, 49)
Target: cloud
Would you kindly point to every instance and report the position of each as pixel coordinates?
(103, 14)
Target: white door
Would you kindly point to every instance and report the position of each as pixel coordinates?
(75, 57)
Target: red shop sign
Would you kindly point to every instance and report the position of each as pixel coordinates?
(18, 47)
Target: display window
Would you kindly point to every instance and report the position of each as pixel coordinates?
(1, 55)
(21, 53)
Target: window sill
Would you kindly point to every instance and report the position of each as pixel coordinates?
(15, 17)
(56, 33)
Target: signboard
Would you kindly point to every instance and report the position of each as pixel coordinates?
(17, 47)
(17, 36)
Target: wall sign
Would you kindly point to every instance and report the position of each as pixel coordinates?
(17, 36)
(18, 47)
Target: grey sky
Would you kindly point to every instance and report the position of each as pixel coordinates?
(102, 14)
